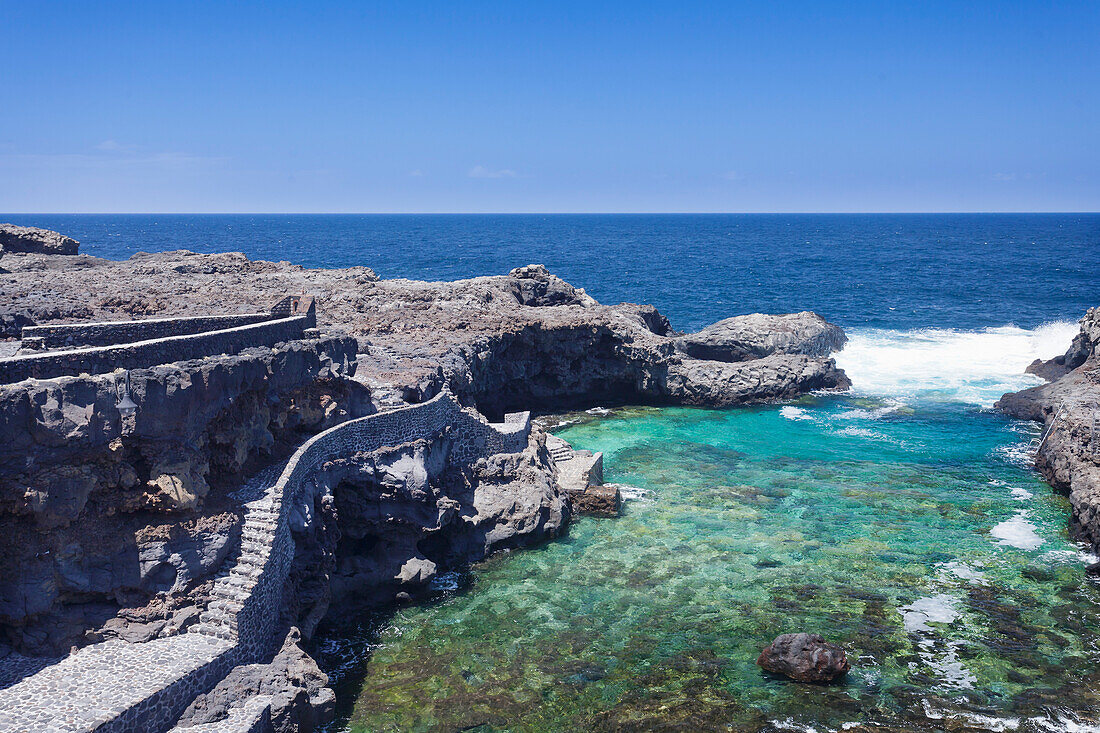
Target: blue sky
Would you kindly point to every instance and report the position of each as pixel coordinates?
(543, 107)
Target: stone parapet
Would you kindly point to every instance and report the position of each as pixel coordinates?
(107, 333)
(139, 354)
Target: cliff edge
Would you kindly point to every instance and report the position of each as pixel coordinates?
(1068, 453)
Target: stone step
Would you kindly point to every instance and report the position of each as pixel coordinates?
(239, 595)
(239, 575)
(219, 632)
(227, 605)
(256, 561)
(218, 619)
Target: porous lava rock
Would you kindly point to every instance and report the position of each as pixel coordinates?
(1068, 454)
(757, 335)
(32, 239)
(805, 658)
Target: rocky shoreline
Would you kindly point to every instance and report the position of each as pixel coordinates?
(123, 531)
(1068, 453)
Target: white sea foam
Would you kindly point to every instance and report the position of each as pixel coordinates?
(875, 414)
(633, 493)
(1021, 494)
(1071, 557)
(794, 413)
(1017, 532)
(935, 609)
(984, 722)
(1060, 723)
(976, 367)
(962, 571)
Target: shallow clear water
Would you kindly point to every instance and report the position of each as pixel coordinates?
(911, 532)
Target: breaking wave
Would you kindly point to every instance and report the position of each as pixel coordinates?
(975, 367)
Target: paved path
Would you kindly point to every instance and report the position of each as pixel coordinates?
(99, 683)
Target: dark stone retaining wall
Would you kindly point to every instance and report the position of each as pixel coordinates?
(106, 333)
(102, 359)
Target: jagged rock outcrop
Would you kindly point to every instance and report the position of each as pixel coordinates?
(397, 518)
(1068, 455)
(1084, 345)
(32, 239)
(291, 684)
(776, 377)
(103, 514)
(754, 336)
(527, 340)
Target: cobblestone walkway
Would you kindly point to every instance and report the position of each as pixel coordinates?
(101, 682)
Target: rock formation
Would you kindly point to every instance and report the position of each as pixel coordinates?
(524, 341)
(103, 514)
(291, 683)
(1068, 454)
(742, 338)
(119, 528)
(32, 239)
(805, 658)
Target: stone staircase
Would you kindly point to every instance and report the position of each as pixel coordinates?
(234, 586)
(559, 449)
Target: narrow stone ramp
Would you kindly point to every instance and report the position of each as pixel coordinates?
(114, 686)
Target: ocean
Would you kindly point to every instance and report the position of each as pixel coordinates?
(963, 271)
(900, 520)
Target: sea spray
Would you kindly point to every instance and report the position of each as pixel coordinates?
(974, 367)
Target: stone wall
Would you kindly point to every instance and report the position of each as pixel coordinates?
(106, 333)
(102, 359)
(250, 595)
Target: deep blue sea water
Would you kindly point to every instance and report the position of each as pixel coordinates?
(885, 271)
(902, 520)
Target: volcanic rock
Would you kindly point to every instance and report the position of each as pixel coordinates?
(1068, 454)
(32, 239)
(758, 335)
(291, 683)
(805, 658)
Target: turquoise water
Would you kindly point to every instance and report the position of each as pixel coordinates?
(908, 531)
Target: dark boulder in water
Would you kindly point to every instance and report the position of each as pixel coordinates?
(805, 658)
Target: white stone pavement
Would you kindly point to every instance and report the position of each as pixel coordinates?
(97, 684)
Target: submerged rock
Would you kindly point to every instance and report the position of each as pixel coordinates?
(804, 657)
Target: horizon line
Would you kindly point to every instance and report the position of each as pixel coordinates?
(541, 213)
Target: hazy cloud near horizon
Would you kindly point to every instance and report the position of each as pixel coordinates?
(493, 107)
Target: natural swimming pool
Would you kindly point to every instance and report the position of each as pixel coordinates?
(911, 532)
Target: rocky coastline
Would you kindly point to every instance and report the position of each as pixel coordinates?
(1068, 406)
(124, 528)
